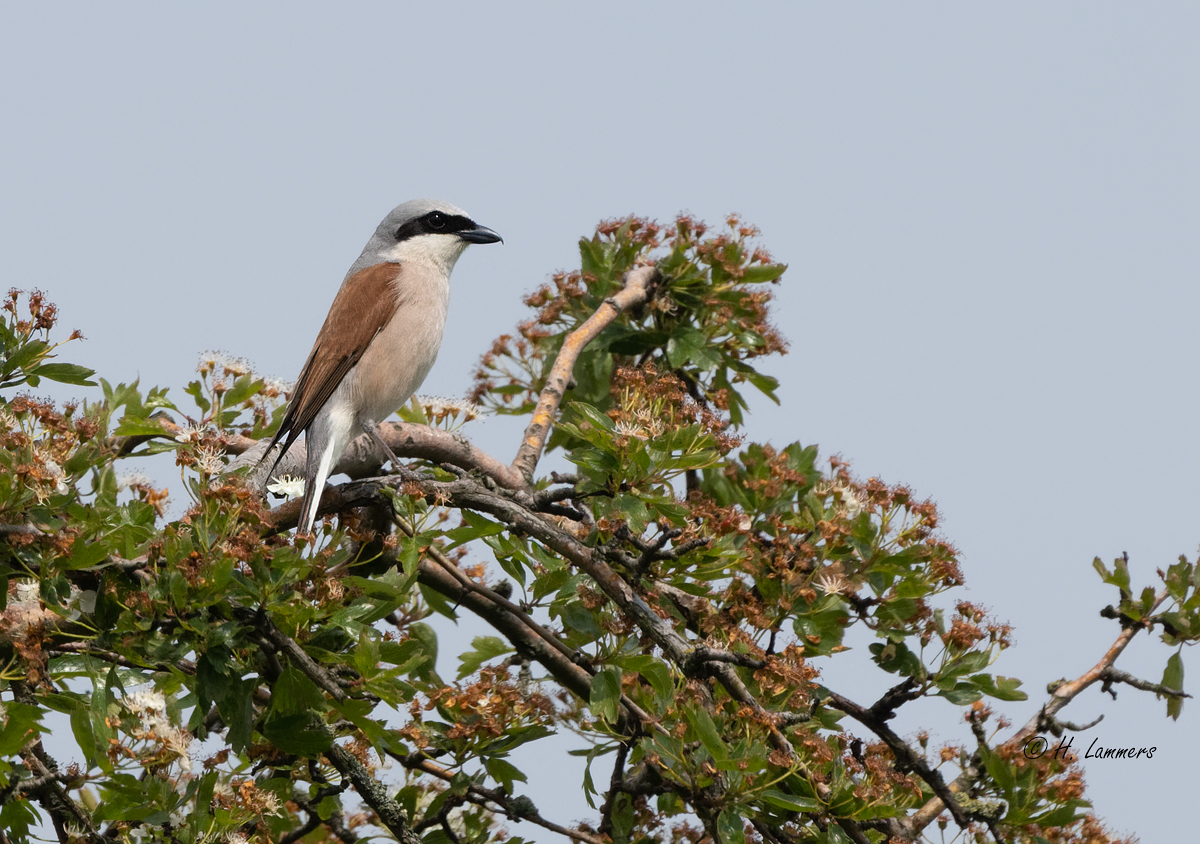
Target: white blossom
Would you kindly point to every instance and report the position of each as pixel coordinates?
(438, 408)
(145, 701)
(832, 584)
(24, 610)
(131, 479)
(60, 477)
(287, 485)
(210, 460)
(630, 429)
(222, 363)
(278, 385)
(190, 434)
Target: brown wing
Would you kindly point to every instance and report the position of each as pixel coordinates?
(361, 309)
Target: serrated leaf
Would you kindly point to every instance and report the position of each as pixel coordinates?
(605, 697)
(66, 373)
(504, 772)
(485, 648)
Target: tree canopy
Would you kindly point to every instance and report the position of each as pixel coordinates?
(669, 602)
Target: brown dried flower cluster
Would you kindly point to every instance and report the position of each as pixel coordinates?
(714, 296)
(42, 314)
(483, 710)
(649, 403)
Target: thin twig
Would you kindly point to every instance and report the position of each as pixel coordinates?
(1062, 695)
(905, 755)
(516, 808)
(1112, 675)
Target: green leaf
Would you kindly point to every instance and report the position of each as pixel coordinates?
(504, 772)
(21, 724)
(437, 602)
(790, 802)
(1058, 816)
(731, 828)
(999, 770)
(961, 694)
(85, 554)
(514, 737)
(24, 355)
(656, 673)
(760, 273)
(1173, 679)
(296, 734)
(1121, 574)
(131, 426)
(686, 342)
(593, 257)
(578, 617)
(1001, 688)
(66, 373)
(591, 415)
(293, 693)
(485, 648)
(605, 697)
(706, 731)
(242, 389)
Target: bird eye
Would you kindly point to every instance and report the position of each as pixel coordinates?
(436, 221)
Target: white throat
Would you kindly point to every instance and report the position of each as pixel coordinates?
(438, 250)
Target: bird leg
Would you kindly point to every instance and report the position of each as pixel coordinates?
(372, 429)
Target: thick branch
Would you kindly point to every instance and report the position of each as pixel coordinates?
(467, 494)
(638, 285)
(527, 636)
(373, 792)
(362, 458)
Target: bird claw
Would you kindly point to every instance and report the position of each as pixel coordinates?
(372, 430)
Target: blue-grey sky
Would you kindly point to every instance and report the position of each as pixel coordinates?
(989, 212)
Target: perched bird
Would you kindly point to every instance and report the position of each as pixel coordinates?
(380, 339)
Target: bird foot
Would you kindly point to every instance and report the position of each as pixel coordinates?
(372, 430)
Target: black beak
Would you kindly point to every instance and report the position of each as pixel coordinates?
(481, 234)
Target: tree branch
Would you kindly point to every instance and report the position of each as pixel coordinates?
(639, 284)
(362, 458)
(905, 755)
(391, 814)
(437, 571)
(515, 808)
(1112, 675)
(51, 793)
(1062, 695)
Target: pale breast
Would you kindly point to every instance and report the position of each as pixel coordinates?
(400, 356)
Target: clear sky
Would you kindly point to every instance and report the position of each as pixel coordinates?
(990, 214)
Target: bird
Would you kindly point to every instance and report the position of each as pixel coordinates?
(380, 339)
